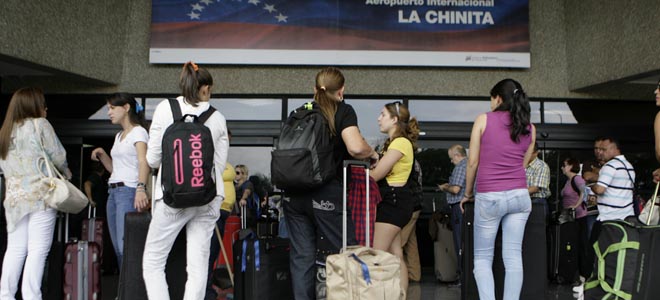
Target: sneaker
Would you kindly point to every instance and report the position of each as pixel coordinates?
(578, 289)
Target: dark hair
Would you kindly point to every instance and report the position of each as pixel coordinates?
(135, 117)
(192, 79)
(328, 81)
(574, 163)
(536, 146)
(515, 101)
(26, 103)
(612, 141)
(406, 126)
(96, 166)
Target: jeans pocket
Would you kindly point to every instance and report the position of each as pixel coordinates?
(523, 202)
(488, 208)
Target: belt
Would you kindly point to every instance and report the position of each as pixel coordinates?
(115, 185)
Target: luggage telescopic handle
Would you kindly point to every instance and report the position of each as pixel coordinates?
(243, 216)
(366, 165)
(654, 199)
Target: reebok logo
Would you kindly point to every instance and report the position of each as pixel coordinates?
(197, 179)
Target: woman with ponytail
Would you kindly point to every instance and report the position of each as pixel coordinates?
(501, 145)
(127, 164)
(314, 218)
(198, 221)
(393, 176)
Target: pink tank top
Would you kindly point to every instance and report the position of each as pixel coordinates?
(500, 158)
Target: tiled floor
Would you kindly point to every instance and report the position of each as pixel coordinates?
(427, 289)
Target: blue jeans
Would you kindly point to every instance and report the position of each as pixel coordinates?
(120, 202)
(512, 208)
(456, 223)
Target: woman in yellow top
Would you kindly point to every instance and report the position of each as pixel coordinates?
(392, 172)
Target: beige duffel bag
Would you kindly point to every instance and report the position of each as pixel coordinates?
(363, 273)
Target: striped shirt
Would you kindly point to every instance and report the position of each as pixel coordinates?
(618, 177)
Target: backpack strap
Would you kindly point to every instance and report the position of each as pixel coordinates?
(574, 185)
(176, 109)
(206, 115)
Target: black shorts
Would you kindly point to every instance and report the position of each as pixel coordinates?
(396, 207)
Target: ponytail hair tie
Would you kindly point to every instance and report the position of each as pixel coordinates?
(195, 67)
(515, 91)
(138, 107)
(322, 88)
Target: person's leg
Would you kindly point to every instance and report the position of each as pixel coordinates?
(487, 216)
(397, 250)
(303, 247)
(12, 264)
(585, 265)
(111, 211)
(513, 230)
(124, 203)
(457, 223)
(198, 238)
(40, 238)
(166, 223)
(214, 252)
(410, 251)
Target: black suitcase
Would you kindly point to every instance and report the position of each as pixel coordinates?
(261, 267)
(533, 251)
(564, 245)
(131, 282)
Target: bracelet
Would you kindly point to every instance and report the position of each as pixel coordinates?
(141, 184)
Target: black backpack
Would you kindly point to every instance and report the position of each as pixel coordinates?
(303, 156)
(187, 160)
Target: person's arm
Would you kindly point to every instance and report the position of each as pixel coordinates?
(530, 149)
(53, 147)
(221, 150)
(453, 189)
(141, 201)
(99, 154)
(604, 179)
(533, 189)
(245, 196)
(161, 119)
(473, 159)
(386, 164)
(88, 192)
(656, 132)
(356, 145)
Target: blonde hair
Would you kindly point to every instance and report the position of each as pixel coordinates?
(243, 169)
(328, 81)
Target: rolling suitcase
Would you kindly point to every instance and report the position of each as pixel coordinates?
(261, 266)
(95, 235)
(533, 255)
(362, 272)
(563, 256)
(444, 253)
(82, 270)
(131, 282)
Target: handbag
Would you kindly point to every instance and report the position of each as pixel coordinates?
(59, 193)
(650, 215)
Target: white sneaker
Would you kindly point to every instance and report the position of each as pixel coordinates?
(579, 289)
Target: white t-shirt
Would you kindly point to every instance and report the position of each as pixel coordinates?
(124, 156)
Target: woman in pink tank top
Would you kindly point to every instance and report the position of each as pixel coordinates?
(501, 144)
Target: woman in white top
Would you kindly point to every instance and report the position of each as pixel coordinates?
(128, 165)
(30, 222)
(199, 221)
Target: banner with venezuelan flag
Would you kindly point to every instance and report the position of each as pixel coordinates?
(456, 33)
